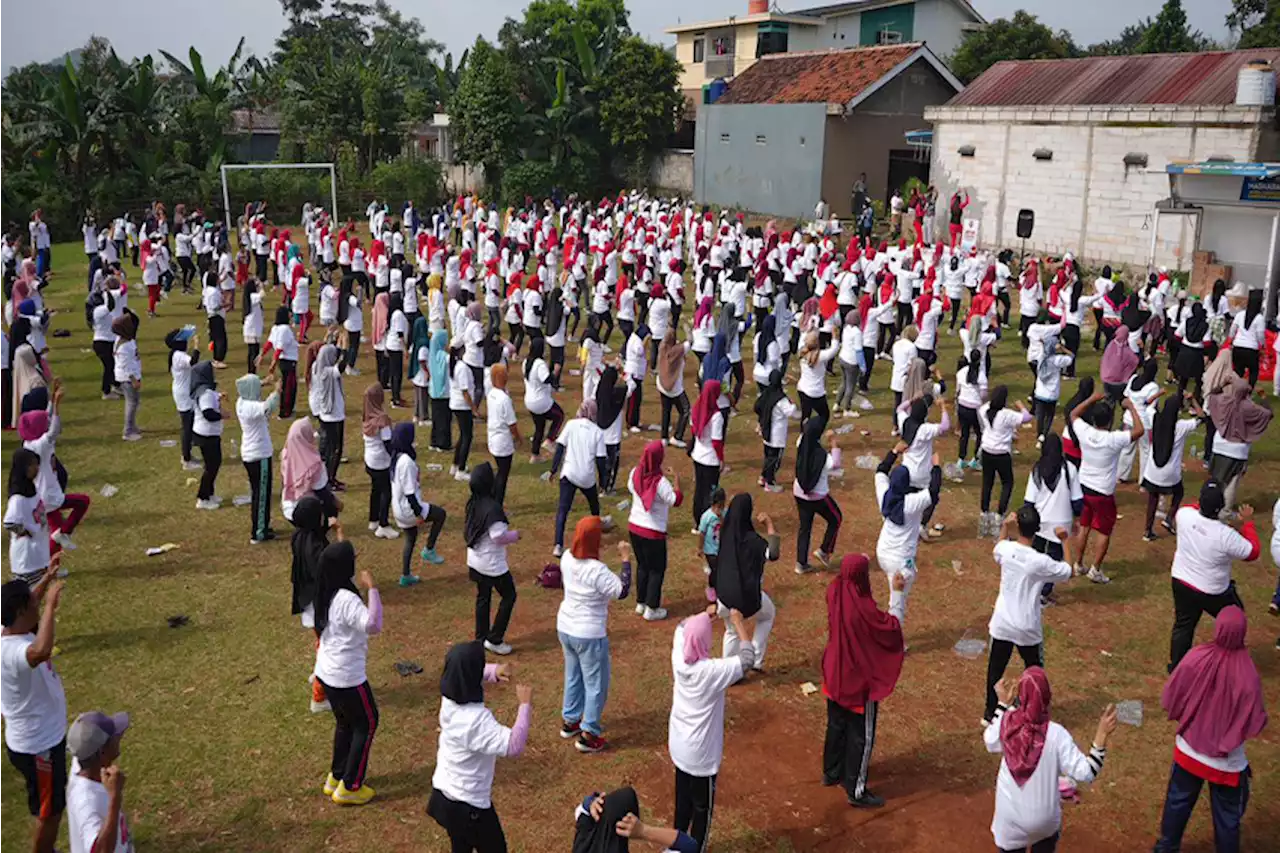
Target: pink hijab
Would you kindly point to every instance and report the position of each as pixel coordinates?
(697, 638)
(1235, 416)
(1215, 692)
(381, 315)
(1119, 361)
(1023, 729)
(33, 425)
(300, 461)
(646, 476)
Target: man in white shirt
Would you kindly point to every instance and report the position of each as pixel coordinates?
(32, 701)
(95, 794)
(1015, 621)
(1100, 449)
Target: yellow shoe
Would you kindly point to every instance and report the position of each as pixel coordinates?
(358, 797)
(331, 784)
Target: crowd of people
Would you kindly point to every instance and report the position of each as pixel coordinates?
(463, 298)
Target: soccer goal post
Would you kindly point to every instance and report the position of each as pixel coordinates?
(229, 167)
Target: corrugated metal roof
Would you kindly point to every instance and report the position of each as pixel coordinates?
(815, 77)
(1185, 79)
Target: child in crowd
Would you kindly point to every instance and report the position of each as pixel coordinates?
(709, 538)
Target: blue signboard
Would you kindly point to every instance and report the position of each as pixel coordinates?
(1260, 189)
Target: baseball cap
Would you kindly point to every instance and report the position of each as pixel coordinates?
(91, 731)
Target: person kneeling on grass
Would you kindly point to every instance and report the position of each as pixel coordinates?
(1036, 750)
(471, 740)
(605, 823)
(344, 624)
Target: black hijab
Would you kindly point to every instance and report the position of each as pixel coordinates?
(811, 458)
(1050, 466)
(609, 398)
(916, 418)
(394, 303)
(770, 396)
(742, 555)
(601, 836)
(1083, 392)
(975, 367)
(463, 678)
(536, 348)
(1132, 315)
(1197, 324)
(1144, 376)
(1253, 308)
(282, 316)
(483, 508)
(336, 572)
(19, 482)
(555, 311)
(1164, 429)
(310, 538)
(999, 397)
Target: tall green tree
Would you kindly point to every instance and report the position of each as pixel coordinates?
(1256, 21)
(484, 113)
(1169, 32)
(640, 104)
(1019, 37)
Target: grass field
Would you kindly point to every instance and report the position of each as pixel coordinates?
(224, 755)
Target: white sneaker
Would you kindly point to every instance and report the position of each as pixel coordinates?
(675, 442)
(200, 504)
(606, 523)
(133, 436)
(64, 540)
(351, 371)
(453, 469)
(462, 477)
(1096, 575)
(634, 430)
(651, 615)
(373, 526)
(320, 707)
(387, 533)
(62, 571)
(640, 609)
(557, 551)
(498, 648)
(865, 405)
(192, 465)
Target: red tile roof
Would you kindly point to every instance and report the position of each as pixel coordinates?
(1187, 79)
(814, 77)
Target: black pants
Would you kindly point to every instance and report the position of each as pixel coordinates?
(651, 569)
(471, 830)
(557, 360)
(904, 317)
(1188, 605)
(259, 473)
(970, 423)
(998, 662)
(681, 405)
(885, 339)
(356, 715)
(846, 751)
(1007, 304)
(485, 586)
(331, 437)
(436, 515)
(395, 374)
(288, 386)
(1245, 359)
(1227, 803)
(379, 495)
(1045, 410)
(738, 377)
(869, 359)
(567, 492)
(1044, 845)
(503, 474)
(612, 461)
(218, 335)
(211, 452)
(772, 462)
(380, 362)
(705, 480)
(6, 396)
(251, 356)
(260, 268)
(353, 350)
(1097, 328)
(106, 354)
(993, 464)
(810, 405)
(634, 400)
(1153, 501)
(441, 435)
(517, 336)
(1071, 340)
(556, 415)
(830, 511)
(603, 319)
(695, 801)
(955, 312)
(466, 420)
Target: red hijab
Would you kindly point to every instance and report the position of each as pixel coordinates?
(1023, 729)
(646, 476)
(981, 304)
(707, 405)
(863, 657)
(1215, 692)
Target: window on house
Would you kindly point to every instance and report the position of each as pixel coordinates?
(888, 36)
(771, 41)
(699, 49)
(722, 46)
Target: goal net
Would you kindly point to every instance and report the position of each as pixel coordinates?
(284, 187)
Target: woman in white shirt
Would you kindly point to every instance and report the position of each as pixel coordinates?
(851, 364)
(502, 429)
(902, 508)
(375, 429)
(488, 534)
(1054, 490)
(180, 363)
(396, 342)
(539, 401)
(408, 507)
(812, 493)
(464, 406)
(635, 368)
(1054, 361)
(254, 414)
(1249, 336)
(284, 343)
(669, 372)
(207, 428)
(1036, 752)
(971, 393)
(812, 384)
(695, 728)
(652, 498)
(767, 352)
(328, 404)
(101, 314)
(471, 741)
(1162, 467)
(774, 412)
(999, 426)
(251, 330)
(582, 623)
(710, 424)
(343, 625)
(579, 461)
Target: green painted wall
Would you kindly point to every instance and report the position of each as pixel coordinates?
(896, 18)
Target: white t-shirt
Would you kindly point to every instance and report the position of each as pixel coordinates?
(704, 452)
(1170, 473)
(813, 377)
(376, 455)
(779, 422)
(1252, 336)
(1032, 811)
(1054, 505)
(1049, 390)
(537, 388)
(998, 433)
(344, 645)
(695, 729)
(284, 341)
(251, 328)
(255, 429)
(903, 352)
(489, 556)
(88, 804)
(501, 417)
(404, 482)
(27, 554)
(1206, 549)
(589, 586)
(463, 381)
(397, 333)
(655, 517)
(1100, 456)
(583, 443)
(32, 702)
(822, 487)
(918, 458)
(208, 400)
(898, 542)
(471, 740)
(1023, 572)
(102, 318)
(420, 379)
(128, 365)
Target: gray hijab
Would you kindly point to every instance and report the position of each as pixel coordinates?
(325, 393)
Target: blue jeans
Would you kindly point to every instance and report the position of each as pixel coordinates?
(1227, 805)
(586, 680)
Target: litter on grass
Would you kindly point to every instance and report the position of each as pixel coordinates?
(808, 688)
(574, 372)
(866, 462)
(168, 442)
(970, 648)
(955, 567)
(953, 472)
(624, 504)
(191, 481)
(177, 621)
(108, 490)
(434, 466)
(242, 500)
(1129, 712)
(161, 549)
(406, 668)
(844, 430)
(653, 428)
(545, 476)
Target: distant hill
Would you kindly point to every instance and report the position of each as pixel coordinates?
(54, 64)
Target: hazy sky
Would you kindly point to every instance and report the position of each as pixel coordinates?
(42, 31)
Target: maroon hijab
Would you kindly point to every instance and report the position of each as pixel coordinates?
(707, 405)
(648, 474)
(863, 657)
(1215, 692)
(1023, 729)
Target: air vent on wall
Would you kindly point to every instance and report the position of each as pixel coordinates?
(1136, 158)
(966, 150)
(1043, 154)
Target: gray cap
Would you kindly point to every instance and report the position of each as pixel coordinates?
(91, 731)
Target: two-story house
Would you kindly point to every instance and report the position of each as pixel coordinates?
(723, 49)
